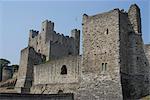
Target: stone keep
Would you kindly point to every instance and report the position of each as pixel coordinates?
(42, 47)
(115, 63)
(114, 59)
(101, 58)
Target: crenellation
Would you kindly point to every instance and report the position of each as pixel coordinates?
(33, 33)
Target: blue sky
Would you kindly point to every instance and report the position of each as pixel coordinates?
(18, 17)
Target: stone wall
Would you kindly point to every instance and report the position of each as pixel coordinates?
(1, 73)
(7, 73)
(147, 51)
(134, 63)
(48, 78)
(15, 96)
(101, 68)
(50, 72)
(25, 73)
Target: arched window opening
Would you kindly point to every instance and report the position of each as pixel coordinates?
(69, 53)
(60, 91)
(63, 70)
(39, 51)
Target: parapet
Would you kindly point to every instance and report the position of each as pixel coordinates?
(33, 33)
(47, 26)
(75, 33)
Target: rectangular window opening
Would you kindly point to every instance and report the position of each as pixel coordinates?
(102, 66)
(105, 66)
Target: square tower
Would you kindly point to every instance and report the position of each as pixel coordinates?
(101, 67)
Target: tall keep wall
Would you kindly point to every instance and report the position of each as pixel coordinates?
(101, 68)
(134, 63)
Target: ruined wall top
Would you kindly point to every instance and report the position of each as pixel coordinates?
(52, 44)
(133, 15)
(47, 29)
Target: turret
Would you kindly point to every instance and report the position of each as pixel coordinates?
(47, 29)
(76, 35)
(33, 33)
(135, 18)
(33, 38)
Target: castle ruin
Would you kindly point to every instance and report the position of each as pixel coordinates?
(115, 63)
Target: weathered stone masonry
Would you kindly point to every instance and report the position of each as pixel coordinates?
(43, 47)
(115, 63)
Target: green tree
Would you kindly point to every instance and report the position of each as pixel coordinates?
(4, 62)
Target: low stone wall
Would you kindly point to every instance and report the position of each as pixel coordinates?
(16, 96)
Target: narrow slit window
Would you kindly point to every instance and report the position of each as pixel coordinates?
(102, 66)
(105, 66)
(107, 31)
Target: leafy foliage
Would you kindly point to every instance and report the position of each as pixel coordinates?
(4, 62)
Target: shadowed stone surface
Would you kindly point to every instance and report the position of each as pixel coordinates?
(15, 96)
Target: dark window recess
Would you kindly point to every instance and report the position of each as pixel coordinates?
(107, 31)
(39, 51)
(63, 70)
(69, 53)
(136, 42)
(137, 58)
(102, 66)
(43, 29)
(60, 91)
(105, 66)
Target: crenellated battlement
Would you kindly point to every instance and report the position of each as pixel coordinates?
(47, 26)
(48, 41)
(33, 33)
